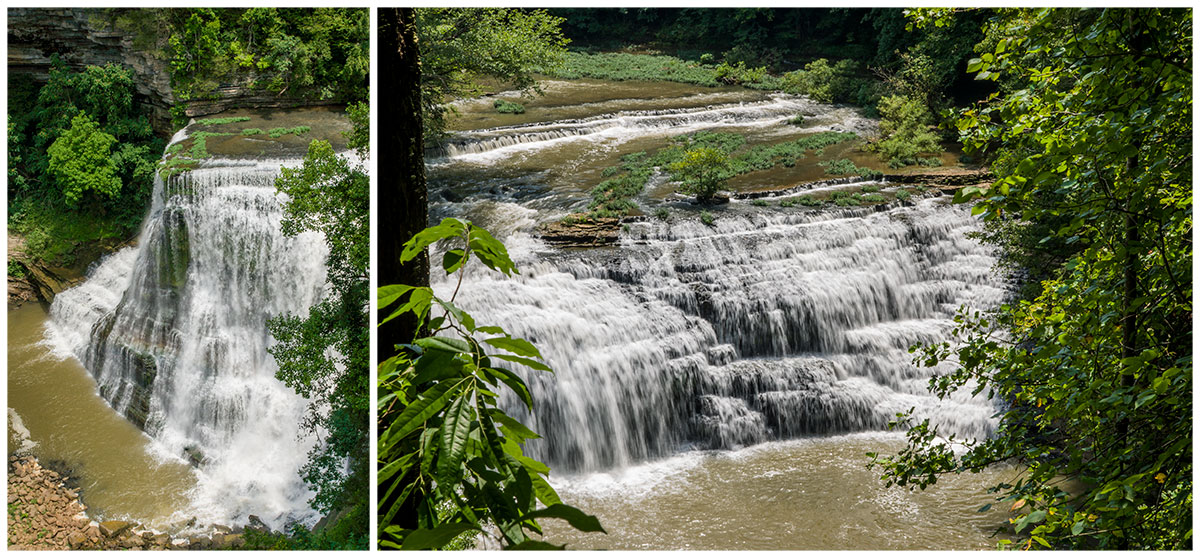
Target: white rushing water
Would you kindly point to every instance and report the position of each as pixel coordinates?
(767, 326)
(174, 331)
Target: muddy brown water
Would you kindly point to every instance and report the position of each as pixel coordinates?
(56, 413)
(812, 494)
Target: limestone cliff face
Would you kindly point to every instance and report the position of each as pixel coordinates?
(34, 34)
(82, 37)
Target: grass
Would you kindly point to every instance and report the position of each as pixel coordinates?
(251, 131)
(707, 218)
(797, 120)
(200, 143)
(790, 202)
(277, 132)
(903, 195)
(662, 213)
(846, 167)
(760, 203)
(219, 121)
(809, 201)
(614, 196)
(508, 107)
(869, 188)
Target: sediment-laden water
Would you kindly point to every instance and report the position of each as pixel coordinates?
(770, 325)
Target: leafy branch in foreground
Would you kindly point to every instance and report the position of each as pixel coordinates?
(450, 461)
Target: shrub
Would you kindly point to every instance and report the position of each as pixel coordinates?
(662, 213)
(873, 198)
(739, 74)
(905, 130)
(707, 218)
(787, 203)
(251, 131)
(869, 188)
(702, 172)
(809, 201)
(797, 120)
(760, 203)
(903, 195)
(508, 107)
(706, 58)
(826, 83)
(839, 166)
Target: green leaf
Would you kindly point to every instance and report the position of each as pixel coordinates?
(490, 251)
(453, 260)
(449, 228)
(388, 294)
(577, 519)
(534, 364)
(514, 345)
(426, 406)
(449, 344)
(427, 539)
(455, 426)
(515, 383)
(1078, 527)
(513, 424)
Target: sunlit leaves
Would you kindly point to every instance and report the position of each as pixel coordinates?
(448, 453)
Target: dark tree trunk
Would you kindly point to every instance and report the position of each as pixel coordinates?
(403, 206)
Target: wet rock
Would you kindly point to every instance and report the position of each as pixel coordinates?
(234, 541)
(253, 522)
(577, 230)
(77, 540)
(113, 529)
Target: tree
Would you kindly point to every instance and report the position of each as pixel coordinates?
(703, 171)
(1095, 370)
(458, 46)
(325, 356)
(905, 129)
(445, 447)
(81, 162)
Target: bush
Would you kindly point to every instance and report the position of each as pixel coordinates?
(706, 58)
(787, 203)
(797, 120)
(760, 203)
(251, 131)
(702, 172)
(869, 188)
(508, 107)
(903, 195)
(809, 201)
(873, 198)
(707, 218)
(739, 74)
(905, 131)
(826, 83)
(662, 213)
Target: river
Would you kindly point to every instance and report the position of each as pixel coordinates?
(717, 385)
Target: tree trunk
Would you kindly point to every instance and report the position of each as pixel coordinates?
(403, 205)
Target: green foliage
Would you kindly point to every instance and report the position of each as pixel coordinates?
(701, 172)
(200, 143)
(252, 131)
(220, 121)
(809, 201)
(622, 66)
(325, 355)
(279, 132)
(760, 203)
(614, 197)
(15, 269)
(870, 188)
(118, 173)
(797, 120)
(739, 74)
(790, 202)
(1092, 145)
(449, 458)
(905, 128)
(707, 218)
(460, 45)
(508, 107)
(314, 53)
(903, 195)
(662, 213)
(873, 198)
(81, 161)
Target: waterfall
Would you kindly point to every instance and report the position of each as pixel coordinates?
(174, 332)
(494, 144)
(770, 325)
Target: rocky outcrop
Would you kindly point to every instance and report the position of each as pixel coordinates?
(42, 280)
(82, 37)
(45, 513)
(579, 231)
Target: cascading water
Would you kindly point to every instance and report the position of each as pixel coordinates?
(174, 332)
(770, 325)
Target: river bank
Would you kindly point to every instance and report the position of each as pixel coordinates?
(45, 513)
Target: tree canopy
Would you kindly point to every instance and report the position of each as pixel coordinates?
(1091, 142)
(461, 46)
(325, 355)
